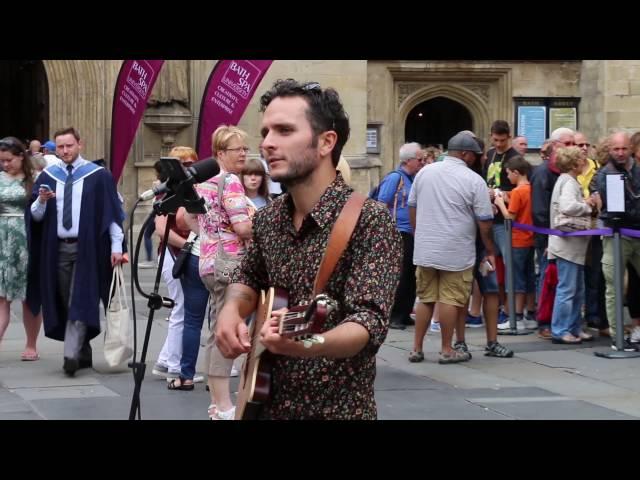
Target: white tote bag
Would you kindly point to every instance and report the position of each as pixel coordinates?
(118, 338)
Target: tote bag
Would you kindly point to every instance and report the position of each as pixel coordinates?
(118, 336)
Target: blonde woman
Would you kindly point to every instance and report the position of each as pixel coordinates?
(569, 252)
(224, 231)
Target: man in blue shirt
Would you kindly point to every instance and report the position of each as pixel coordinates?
(394, 192)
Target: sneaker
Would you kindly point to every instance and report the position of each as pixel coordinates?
(635, 335)
(228, 415)
(149, 264)
(626, 346)
(462, 347)
(495, 349)
(435, 327)
(473, 321)
(530, 324)
(502, 317)
(160, 370)
(520, 325)
(198, 378)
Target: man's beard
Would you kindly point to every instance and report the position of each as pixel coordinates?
(298, 171)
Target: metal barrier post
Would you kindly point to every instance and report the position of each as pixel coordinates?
(510, 283)
(618, 273)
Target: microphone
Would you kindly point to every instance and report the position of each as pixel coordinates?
(197, 173)
(157, 190)
(203, 170)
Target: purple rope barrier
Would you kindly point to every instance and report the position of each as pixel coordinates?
(560, 233)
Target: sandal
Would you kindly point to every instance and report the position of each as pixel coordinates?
(415, 357)
(567, 339)
(456, 356)
(212, 411)
(585, 337)
(29, 356)
(174, 385)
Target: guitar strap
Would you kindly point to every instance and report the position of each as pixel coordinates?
(338, 239)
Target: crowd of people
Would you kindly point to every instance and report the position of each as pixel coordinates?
(427, 249)
(461, 283)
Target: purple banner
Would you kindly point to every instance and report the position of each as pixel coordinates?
(229, 90)
(133, 87)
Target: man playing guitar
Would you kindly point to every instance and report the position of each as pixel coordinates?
(304, 129)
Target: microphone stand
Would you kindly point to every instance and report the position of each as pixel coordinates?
(155, 303)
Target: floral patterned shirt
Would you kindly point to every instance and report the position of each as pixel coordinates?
(363, 284)
(234, 210)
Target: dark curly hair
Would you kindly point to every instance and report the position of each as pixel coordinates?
(17, 148)
(325, 110)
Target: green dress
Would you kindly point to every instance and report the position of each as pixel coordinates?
(13, 239)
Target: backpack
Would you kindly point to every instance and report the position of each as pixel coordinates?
(375, 192)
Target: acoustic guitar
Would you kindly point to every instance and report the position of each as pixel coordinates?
(301, 323)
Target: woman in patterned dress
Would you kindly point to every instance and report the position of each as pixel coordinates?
(16, 182)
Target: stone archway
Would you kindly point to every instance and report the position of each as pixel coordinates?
(433, 122)
(77, 98)
(469, 99)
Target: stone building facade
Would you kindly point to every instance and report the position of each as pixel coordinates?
(381, 98)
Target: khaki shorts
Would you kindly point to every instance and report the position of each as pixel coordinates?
(451, 288)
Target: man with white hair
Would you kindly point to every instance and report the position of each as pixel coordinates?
(542, 181)
(520, 144)
(394, 192)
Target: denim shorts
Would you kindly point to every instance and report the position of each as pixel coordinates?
(489, 284)
(523, 269)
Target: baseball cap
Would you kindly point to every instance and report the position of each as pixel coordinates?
(49, 145)
(462, 141)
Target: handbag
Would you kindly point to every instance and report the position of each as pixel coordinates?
(567, 223)
(224, 264)
(548, 294)
(180, 262)
(118, 336)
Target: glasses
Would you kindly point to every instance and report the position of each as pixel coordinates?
(238, 149)
(581, 145)
(8, 142)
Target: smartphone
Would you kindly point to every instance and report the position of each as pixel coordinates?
(46, 187)
(485, 268)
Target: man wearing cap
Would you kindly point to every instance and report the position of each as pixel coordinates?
(49, 152)
(447, 201)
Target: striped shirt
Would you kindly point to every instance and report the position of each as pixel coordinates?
(449, 198)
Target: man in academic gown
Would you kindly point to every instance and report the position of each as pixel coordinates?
(75, 239)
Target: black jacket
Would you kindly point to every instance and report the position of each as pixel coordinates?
(543, 179)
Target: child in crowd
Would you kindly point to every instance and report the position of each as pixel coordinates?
(519, 210)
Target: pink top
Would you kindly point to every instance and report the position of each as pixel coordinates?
(235, 210)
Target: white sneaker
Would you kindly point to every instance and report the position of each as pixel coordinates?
(228, 415)
(198, 378)
(635, 335)
(435, 326)
(149, 264)
(530, 324)
(520, 325)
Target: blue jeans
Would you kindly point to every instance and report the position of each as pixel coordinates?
(569, 298)
(148, 243)
(542, 267)
(196, 297)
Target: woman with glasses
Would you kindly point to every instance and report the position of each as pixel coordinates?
(16, 182)
(224, 231)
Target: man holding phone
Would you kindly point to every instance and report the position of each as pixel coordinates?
(75, 230)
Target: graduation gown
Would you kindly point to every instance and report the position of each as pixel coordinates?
(100, 207)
